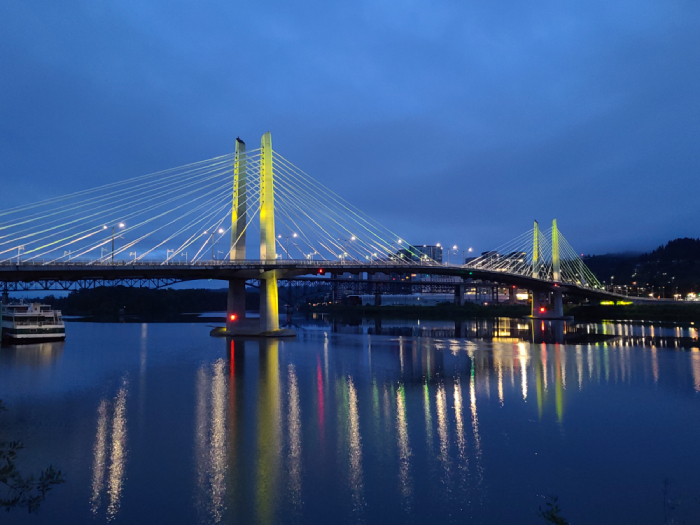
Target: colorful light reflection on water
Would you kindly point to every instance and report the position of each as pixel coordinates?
(340, 427)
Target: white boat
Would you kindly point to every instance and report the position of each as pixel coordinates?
(31, 322)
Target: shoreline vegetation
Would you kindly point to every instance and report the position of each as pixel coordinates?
(172, 305)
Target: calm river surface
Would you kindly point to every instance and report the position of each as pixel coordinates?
(374, 423)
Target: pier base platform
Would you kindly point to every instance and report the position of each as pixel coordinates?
(221, 331)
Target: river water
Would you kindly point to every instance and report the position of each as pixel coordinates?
(370, 422)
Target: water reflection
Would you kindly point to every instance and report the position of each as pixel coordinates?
(403, 446)
(110, 443)
(282, 429)
(211, 439)
(294, 426)
(355, 447)
(33, 355)
(512, 330)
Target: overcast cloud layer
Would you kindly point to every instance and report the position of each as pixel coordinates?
(457, 122)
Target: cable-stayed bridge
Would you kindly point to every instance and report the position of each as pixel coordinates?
(250, 215)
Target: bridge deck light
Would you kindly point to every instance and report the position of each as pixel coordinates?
(121, 224)
(221, 230)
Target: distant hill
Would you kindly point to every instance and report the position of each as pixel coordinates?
(673, 267)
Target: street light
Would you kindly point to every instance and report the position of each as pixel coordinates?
(287, 236)
(20, 249)
(169, 253)
(345, 245)
(121, 226)
(134, 254)
(211, 240)
(448, 253)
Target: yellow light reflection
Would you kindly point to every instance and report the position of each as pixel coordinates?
(441, 405)
(118, 453)
(355, 445)
(100, 456)
(294, 424)
(695, 367)
(268, 430)
(403, 445)
(217, 450)
(459, 422)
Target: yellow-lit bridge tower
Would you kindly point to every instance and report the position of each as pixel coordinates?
(269, 301)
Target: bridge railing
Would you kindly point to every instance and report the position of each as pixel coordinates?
(222, 263)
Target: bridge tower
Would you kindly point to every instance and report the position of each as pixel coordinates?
(239, 217)
(537, 299)
(269, 301)
(556, 272)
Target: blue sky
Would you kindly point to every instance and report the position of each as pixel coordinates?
(458, 122)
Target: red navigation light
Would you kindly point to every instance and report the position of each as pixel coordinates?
(320, 270)
(542, 309)
(232, 317)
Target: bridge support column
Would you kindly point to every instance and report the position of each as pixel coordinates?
(459, 294)
(269, 303)
(558, 304)
(539, 301)
(235, 304)
(512, 294)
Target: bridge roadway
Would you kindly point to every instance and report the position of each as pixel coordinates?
(37, 275)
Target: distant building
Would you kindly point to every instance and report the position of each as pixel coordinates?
(426, 253)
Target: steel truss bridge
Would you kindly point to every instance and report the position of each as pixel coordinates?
(195, 223)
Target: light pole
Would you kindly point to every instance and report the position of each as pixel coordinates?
(345, 245)
(184, 254)
(169, 254)
(20, 249)
(211, 240)
(121, 225)
(287, 237)
(134, 254)
(448, 253)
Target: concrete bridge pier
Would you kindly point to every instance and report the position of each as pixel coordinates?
(512, 291)
(334, 287)
(269, 303)
(558, 304)
(540, 301)
(235, 303)
(459, 294)
(544, 308)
